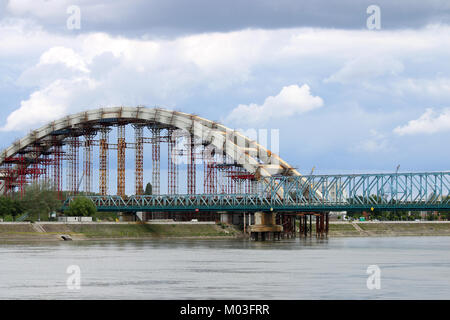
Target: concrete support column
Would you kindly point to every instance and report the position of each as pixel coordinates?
(265, 225)
(226, 218)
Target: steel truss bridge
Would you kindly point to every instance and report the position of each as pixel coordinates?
(239, 174)
(392, 191)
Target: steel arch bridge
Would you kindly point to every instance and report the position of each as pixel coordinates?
(227, 155)
(238, 173)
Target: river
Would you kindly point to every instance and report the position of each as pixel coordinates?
(411, 268)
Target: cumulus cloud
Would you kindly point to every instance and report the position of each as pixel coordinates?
(65, 56)
(291, 101)
(49, 103)
(428, 123)
(114, 70)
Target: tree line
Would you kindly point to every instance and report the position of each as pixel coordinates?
(395, 215)
(39, 201)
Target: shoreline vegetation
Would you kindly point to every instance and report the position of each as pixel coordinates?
(52, 231)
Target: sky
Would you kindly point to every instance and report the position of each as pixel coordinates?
(345, 97)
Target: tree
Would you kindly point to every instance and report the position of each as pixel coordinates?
(81, 206)
(10, 207)
(40, 200)
(148, 189)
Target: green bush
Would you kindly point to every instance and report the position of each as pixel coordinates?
(81, 206)
(8, 218)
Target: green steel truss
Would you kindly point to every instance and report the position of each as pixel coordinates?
(396, 191)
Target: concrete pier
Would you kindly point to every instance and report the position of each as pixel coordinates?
(265, 227)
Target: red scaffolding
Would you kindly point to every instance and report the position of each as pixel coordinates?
(72, 158)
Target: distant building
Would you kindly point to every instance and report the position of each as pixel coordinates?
(74, 219)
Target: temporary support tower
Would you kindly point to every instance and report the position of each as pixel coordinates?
(103, 165)
(172, 172)
(72, 165)
(191, 165)
(139, 159)
(57, 166)
(121, 147)
(156, 159)
(87, 168)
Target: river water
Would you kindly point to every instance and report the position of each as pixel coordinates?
(335, 268)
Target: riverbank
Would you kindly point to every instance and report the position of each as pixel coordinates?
(389, 228)
(52, 231)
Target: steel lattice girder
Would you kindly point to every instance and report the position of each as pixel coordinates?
(405, 191)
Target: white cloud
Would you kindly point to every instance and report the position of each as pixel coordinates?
(292, 100)
(366, 68)
(50, 103)
(438, 87)
(428, 123)
(168, 72)
(63, 55)
(376, 142)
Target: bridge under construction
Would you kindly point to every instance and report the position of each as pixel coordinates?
(212, 172)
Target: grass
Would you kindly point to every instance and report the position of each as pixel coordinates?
(151, 230)
(6, 228)
(342, 229)
(434, 229)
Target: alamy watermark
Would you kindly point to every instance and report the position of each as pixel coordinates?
(374, 279)
(74, 20)
(244, 146)
(374, 20)
(73, 281)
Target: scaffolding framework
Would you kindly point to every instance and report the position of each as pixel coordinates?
(172, 165)
(87, 167)
(72, 165)
(209, 172)
(45, 166)
(156, 160)
(191, 174)
(36, 165)
(104, 159)
(139, 159)
(121, 147)
(57, 166)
